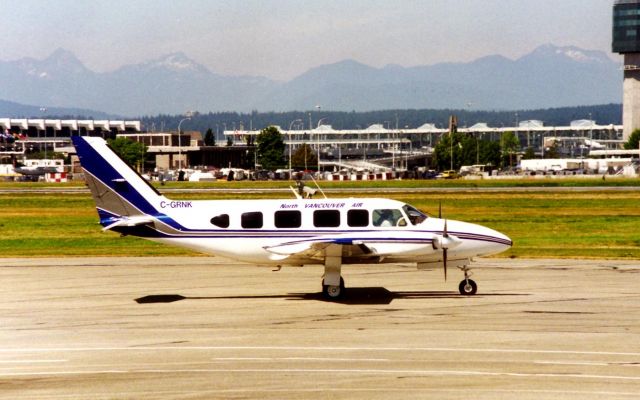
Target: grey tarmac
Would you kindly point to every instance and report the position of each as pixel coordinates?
(205, 327)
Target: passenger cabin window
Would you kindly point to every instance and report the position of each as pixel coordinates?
(388, 217)
(326, 218)
(356, 218)
(251, 220)
(415, 216)
(288, 219)
(221, 220)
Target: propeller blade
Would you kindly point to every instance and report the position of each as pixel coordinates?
(445, 235)
(444, 263)
(440, 209)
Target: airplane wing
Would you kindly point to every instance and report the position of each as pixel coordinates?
(315, 247)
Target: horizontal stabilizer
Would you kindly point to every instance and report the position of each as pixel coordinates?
(130, 221)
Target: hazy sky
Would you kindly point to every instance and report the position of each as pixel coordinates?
(283, 38)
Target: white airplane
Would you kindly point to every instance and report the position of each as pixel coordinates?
(295, 232)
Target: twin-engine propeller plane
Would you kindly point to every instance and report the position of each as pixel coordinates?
(330, 232)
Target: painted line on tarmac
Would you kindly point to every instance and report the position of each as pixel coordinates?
(32, 361)
(593, 363)
(331, 359)
(313, 348)
(414, 372)
(471, 393)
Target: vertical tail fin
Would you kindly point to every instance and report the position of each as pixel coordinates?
(118, 190)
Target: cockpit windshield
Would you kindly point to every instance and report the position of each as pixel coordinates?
(415, 216)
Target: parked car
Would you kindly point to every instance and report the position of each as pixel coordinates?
(449, 174)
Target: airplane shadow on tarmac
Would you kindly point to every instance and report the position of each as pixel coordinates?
(354, 296)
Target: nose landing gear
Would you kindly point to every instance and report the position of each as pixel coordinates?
(467, 287)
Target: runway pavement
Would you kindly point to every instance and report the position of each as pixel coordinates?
(202, 328)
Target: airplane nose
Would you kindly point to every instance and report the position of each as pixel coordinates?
(501, 242)
(481, 241)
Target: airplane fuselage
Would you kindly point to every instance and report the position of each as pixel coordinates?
(254, 230)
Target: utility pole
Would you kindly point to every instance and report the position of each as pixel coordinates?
(453, 127)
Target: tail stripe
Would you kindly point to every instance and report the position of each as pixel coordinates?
(115, 173)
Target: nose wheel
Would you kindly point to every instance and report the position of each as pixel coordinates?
(468, 287)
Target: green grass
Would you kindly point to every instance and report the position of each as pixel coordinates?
(542, 224)
(34, 225)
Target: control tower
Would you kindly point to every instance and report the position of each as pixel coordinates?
(626, 41)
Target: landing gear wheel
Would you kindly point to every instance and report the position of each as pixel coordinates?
(333, 292)
(467, 287)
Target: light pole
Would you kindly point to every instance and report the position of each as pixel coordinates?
(44, 130)
(290, 144)
(318, 141)
(187, 117)
(478, 148)
(394, 137)
(451, 148)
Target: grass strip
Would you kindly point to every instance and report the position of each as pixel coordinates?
(542, 224)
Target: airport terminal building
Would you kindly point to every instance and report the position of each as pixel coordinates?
(374, 147)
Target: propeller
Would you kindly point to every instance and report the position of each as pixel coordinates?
(445, 242)
(445, 237)
(442, 240)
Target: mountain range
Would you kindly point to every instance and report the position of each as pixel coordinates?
(549, 76)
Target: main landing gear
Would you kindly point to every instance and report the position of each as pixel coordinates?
(333, 292)
(467, 287)
(332, 282)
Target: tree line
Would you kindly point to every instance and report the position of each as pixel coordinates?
(220, 121)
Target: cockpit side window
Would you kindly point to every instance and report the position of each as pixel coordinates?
(415, 216)
(388, 217)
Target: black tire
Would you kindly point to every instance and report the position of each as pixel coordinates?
(333, 292)
(467, 289)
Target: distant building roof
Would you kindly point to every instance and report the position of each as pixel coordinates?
(427, 127)
(375, 127)
(480, 126)
(532, 123)
(583, 123)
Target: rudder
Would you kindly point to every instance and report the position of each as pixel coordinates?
(117, 189)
